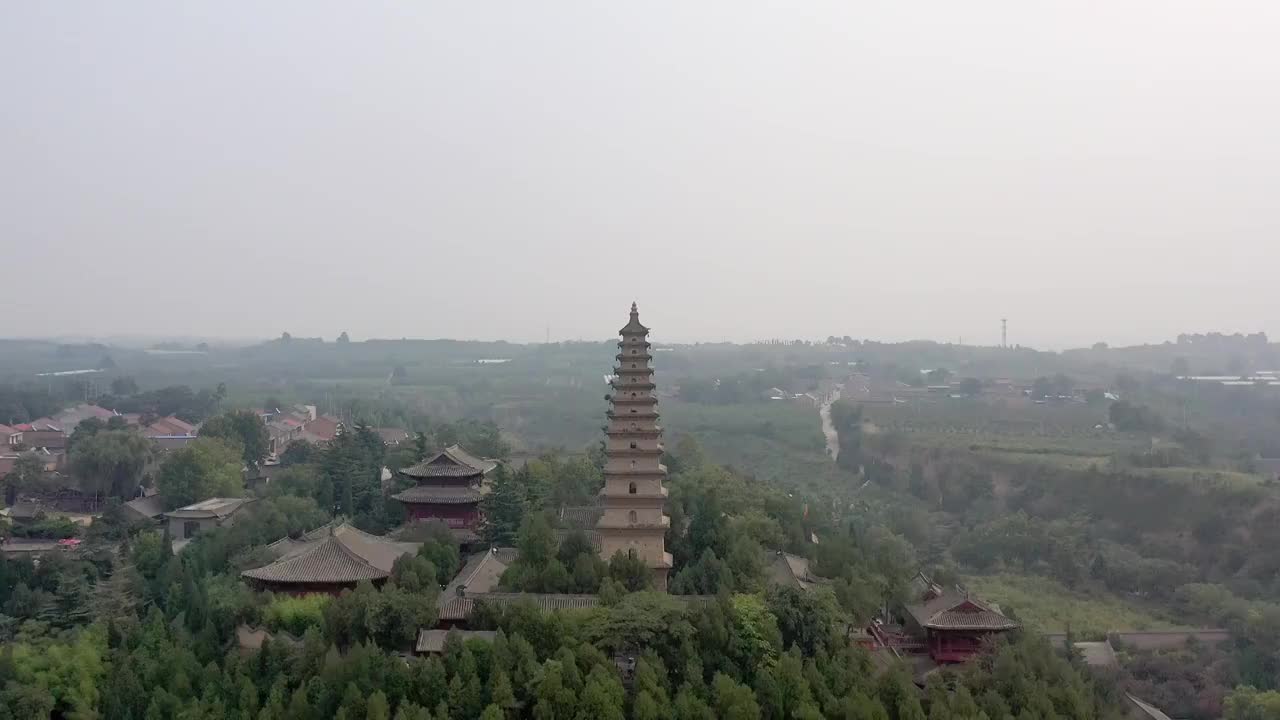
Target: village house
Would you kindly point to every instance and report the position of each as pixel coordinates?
(149, 508)
(38, 434)
(187, 522)
(392, 436)
(71, 417)
(170, 433)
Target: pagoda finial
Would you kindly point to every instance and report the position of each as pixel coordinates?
(634, 326)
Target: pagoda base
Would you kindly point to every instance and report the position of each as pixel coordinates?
(660, 579)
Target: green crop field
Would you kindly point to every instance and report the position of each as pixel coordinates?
(1046, 605)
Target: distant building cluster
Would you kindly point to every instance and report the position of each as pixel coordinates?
(47, 437)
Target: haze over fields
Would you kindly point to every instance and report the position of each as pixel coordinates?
(1091, 171)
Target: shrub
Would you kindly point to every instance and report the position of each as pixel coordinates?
(295, 614)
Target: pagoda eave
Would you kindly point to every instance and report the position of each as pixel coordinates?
(622, 399)
(634, 432)
(637, 528)
(631, 415)
(635, 498)
(634, 472)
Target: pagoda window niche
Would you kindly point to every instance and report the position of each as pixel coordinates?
(631, 516)
(632, 490)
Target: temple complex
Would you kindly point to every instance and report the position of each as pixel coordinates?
(448, 488)
(633, 497)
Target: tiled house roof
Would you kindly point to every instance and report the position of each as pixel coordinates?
(452, 462)
(481, 573)
(145, 508)
(940, 608)
(432, 641)
(439, 495)
(580, 517)
(790, 570)
(459, 608)
(213, 508)
(342, 554)
(392, 436)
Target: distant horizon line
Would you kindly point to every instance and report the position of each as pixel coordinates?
(146, 342)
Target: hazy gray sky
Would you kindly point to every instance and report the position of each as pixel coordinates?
(1092, 170)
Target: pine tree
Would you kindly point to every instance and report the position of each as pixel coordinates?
(503, 509)
(688, 706)
(601, 698)
(555, 701)
(501, 693)
(412, 711)
(909, 708)
(732, 699)
(646, 708)
(299, 706)
(378, 707)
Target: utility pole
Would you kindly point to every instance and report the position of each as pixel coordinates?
(1004, 332)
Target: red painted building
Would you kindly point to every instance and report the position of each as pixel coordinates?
(953, 625)
(447, 488)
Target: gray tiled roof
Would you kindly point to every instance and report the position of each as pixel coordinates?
(439, 495)
(790, 570)
(218, 508)
(1147, 708)
(593, 536)
(481, 573)
(147, 508)
(432, 641)
(460, 607)
(953, 609)
(580, 517)
(452, 462)
(344, 555)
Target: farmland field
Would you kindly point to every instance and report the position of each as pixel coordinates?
(1049, 606)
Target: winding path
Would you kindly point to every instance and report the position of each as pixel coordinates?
(828, 428)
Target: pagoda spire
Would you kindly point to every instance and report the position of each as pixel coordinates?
(634, 497)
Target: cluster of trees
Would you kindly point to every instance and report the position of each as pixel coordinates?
(750, 386)
(1128, 417)
(181, 401)
(1059, 385)
(543, 485)
(740, 656)
(206, 468)
(570, 566)
(23, 403)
